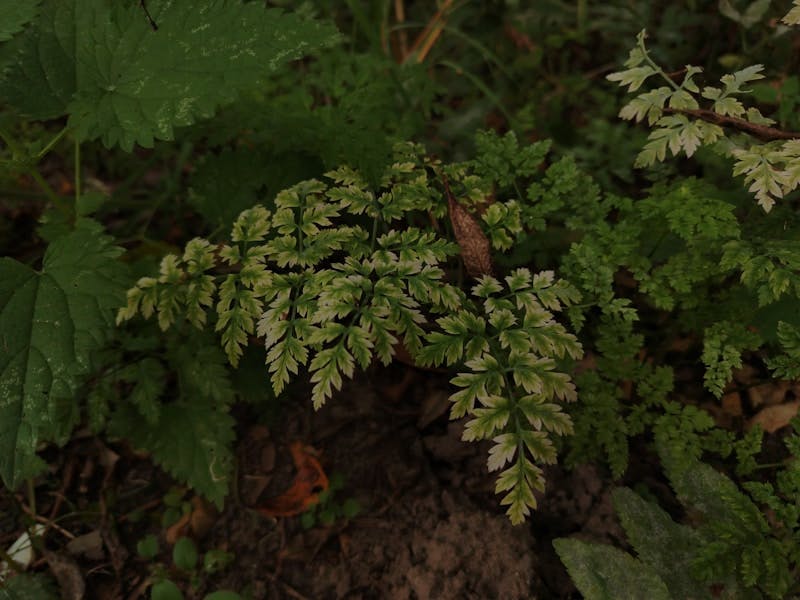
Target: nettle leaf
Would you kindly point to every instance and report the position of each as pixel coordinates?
(148, 379)
(15, 15)
(666, 546)
(601, 572)
(124, 82)
(41, 80)
(192, 440)
(50, 324)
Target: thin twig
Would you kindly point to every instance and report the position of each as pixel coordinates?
(762, 132)
(48, 523)
(402, 34)
(425, 40)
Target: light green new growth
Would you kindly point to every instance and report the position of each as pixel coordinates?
(793, 16)
(508, 346)
(768, 158)
(328, 293)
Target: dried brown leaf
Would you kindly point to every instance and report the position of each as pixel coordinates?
(475, 247)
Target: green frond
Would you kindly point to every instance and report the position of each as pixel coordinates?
(327, 368)
(544, 415)
(198, 256)
(503, 451)
(493, 417)
(519, 480)
(284, 358)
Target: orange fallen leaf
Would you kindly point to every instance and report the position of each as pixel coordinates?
(306, 486)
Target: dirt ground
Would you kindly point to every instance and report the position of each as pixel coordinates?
(429, 524)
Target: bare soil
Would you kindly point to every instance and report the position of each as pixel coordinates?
(429, 525)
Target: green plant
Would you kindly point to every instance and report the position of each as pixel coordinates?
(330, 505)
(769, 158)
(326, 245)
(139, 88)
(187, 563)
(729, 549)
(330, 283)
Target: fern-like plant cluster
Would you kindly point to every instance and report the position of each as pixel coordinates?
(335, 275)
(768, 158)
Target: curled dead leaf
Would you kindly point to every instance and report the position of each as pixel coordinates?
(304, 491)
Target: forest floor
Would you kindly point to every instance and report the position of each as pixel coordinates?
(429, 524)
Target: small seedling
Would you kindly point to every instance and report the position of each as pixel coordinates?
(330, 508)
(186, 564)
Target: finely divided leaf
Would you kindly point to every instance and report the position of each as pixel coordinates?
(28, 587)
(793, 16)
(50, 323)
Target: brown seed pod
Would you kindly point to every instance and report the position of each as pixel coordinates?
(475, 247)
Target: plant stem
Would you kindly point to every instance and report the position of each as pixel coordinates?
(374, 233)
(30, 169)
(32, 496)
(44, 151)
(77, 171)
(654, 66)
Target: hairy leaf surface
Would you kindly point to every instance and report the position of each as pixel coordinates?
(123, 81)
(192, 441)
(50, 323)
(15, 15)
(602, 572)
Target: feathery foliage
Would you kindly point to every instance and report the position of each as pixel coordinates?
(330, 285)
(685, 117)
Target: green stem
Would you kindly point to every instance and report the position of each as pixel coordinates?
(77, 171)
(44, 151)
(655, 67)
(519, 192)
(57, 201)
(32, 496)
(374, 234)
(774, 465)
(582, 12)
